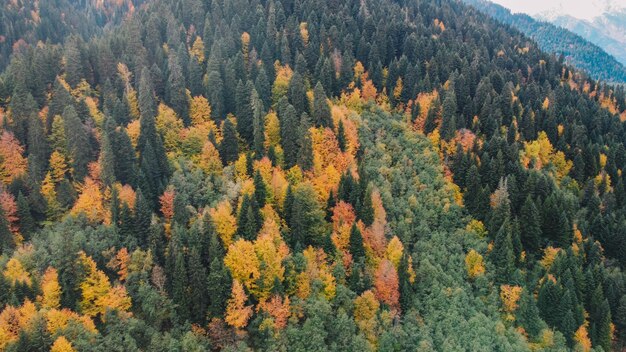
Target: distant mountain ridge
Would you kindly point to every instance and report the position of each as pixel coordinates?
(607, 31)
(578, 52)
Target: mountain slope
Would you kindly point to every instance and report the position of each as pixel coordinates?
(607, 31)
(553, 39)
(316, 175)
(30, 21)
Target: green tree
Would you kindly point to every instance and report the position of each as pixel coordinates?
(78, 144)
(530, 226)
(321, 110)
(357, 250)
(229, 147)
(307, 217)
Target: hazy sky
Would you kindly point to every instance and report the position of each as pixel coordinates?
(586, 9)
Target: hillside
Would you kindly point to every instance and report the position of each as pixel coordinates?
(608, 31)
(314, 175)
(30, 21)
(566, 38)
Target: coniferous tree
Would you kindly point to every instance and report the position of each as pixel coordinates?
(356, 244)
(502, 255)
(27, 223)
(289, 135)
(258, 125)
(306, 218)
(218, 288)
(176, 92)
(153, 165)
(321, 110)
(7, 242)
(305, 152)
(245, 111)
(215, 94)
(180, 285)
(198, 298)
(530, 226)
(260, 191)
(448, 115)
(297, 94)
(125, 158)
(229, 147)
(341, 136)
(143, 219)
(78, 144)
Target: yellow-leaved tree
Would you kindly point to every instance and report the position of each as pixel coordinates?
(237, 312)
(90, 202)
(474, 264)
(97, 293)
(50, 297)
(61, 344)
(224, 221)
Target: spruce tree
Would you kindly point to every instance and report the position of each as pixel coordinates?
(321, 110)
(258, 124)
(260, 190)
(341, 136)
(297, 94)
(502, 255)
(180, 285)
(229, 147)
(305, 152)
(27, 223)
(245, 111)
(7, 242)
(289, 135)
(78, 144)
(176, 90)
(218, 288)
(530, 226)
(143, 219)
(215, 94)
(153, 164)
(448, 116)
(356, 248)
(198, 277)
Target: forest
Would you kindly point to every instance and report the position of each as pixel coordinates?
(552, 38)
(303, 175)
